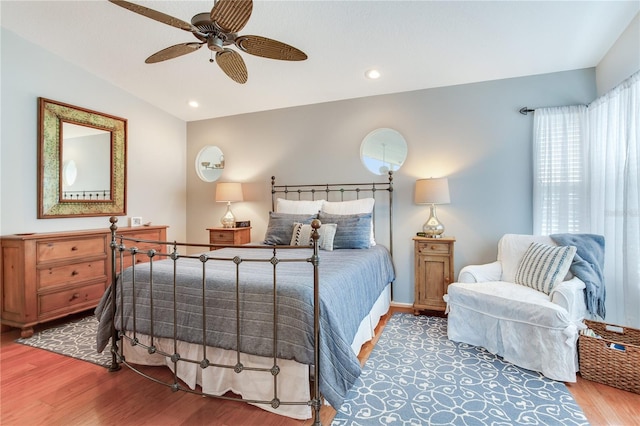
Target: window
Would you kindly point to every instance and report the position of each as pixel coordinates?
(559, 169)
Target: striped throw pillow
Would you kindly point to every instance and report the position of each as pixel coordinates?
(302, 235)
(543, 266)
(353, 232)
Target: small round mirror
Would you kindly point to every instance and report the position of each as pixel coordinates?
(383, 150)
(209, 163)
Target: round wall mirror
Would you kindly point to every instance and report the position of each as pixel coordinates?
(383, 150)
(209, 163)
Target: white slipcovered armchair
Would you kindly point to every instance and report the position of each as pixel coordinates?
(527, 327)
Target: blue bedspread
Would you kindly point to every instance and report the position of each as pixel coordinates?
(588, 265)
(350, 283)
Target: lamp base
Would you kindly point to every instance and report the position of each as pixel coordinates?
(228, 220)
(433, 228)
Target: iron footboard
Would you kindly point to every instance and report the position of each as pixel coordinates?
(122, 246)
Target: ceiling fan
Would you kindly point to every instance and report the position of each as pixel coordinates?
(219, 29)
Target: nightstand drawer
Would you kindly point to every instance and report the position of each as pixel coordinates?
(222, 237)
(425, 247)
(229, 236)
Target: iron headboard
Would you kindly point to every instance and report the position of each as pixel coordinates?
(337, 192)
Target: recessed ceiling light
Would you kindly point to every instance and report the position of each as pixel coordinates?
(194, 104)
(372, 74)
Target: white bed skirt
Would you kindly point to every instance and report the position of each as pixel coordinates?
(293, 379)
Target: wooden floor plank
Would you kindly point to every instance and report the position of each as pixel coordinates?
(42, 388)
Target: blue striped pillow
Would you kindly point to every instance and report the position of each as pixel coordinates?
(280, 227)
(353, 231)
(543, 266)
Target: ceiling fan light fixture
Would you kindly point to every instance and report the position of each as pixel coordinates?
(215, 43)
(372, 74)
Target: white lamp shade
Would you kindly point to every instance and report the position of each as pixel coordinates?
(229, 192)
(432, 191)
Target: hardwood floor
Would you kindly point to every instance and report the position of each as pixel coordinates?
(42, 388)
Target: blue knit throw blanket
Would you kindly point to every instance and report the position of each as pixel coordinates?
(588, 265)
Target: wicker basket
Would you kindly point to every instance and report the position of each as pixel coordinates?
(601, 363)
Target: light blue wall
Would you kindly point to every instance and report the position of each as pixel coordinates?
(471, 133)
(156, 142)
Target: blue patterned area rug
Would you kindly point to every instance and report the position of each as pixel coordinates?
(76, 339)
(416, 376)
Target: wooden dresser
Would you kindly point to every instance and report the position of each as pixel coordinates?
(50, 275)
(433, 272)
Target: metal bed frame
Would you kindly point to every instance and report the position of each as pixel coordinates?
(121, 245)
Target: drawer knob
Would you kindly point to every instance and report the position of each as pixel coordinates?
(74, 273)
(74, 248)
(74, 296)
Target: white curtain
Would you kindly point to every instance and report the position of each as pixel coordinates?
(587, 179)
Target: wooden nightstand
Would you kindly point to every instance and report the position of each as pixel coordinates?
(229, 236)
(433, 272)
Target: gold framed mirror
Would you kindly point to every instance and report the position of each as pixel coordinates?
(82, 157)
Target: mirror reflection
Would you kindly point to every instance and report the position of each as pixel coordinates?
(85, 178)
(383, 150)
(209, 163)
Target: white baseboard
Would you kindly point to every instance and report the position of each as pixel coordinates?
(401, 305)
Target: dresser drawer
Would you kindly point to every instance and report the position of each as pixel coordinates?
(67, 300)
(55, 250)
(73, 273)
(427, 247)
(151, 234)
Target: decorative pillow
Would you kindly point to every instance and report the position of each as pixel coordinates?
(353, 230)
(280, 226)
(298, 206)
(302, 235)
(362, 205)
(543, 266)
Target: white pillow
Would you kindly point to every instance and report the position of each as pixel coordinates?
(363, 205)
(543, 267)
(298, 206)
(302, 235)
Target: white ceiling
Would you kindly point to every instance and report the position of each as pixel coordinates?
(414, 44)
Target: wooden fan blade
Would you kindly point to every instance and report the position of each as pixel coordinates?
(173, 52)
(268, 48)
(155, 15)
(233, 65)
(231, 15)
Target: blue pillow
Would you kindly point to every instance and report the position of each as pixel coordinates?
(354, 230)
(280, 227)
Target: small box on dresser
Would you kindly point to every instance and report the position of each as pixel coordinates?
(50, 275)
